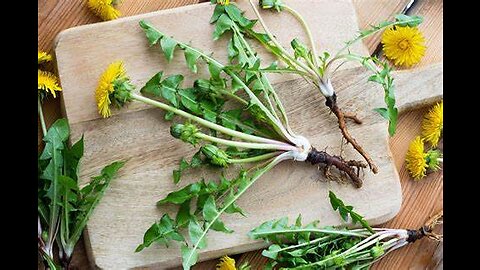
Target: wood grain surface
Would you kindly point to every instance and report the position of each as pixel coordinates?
(420, 199)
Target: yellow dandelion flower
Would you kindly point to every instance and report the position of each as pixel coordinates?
(226, 263)
(104, 9)
(415, 159)
(44, 57)
(223, 2)
(48, 82)
(105, 87)
(403, 45)
(432, 125)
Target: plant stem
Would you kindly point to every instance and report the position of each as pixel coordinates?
(279, 46)
(307, 30)
(256, 158)
(233, 96)
(248, 145)
(204, 122)
(374, 31)
(252, 59)
(328, 231)
(42, 119)
(253, 98)
(240, 192)
(286, 70)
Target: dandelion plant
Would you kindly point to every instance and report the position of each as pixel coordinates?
(233, 118)
(299, 246)
(63, 206)
(312, 66)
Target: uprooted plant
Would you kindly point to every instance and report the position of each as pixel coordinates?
(63, 206)
(255, 131)
(308, 246)
(307, 63)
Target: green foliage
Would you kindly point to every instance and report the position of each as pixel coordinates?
(185, 133)
(400, 20)
(210, 199)
(305, 247)
(384, 78)
(64, 207)
(162, 232)
(345, 210)
(269, 4)
(196, 161)
(215, 155)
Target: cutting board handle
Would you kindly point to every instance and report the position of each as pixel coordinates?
(418, 87)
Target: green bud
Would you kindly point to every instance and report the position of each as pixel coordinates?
(377, 251)
(122, 90)
(44, 236)
(299, 48)
(338, 261)
(432, 159)
(268, 4)
(215, 155)
(185, 132)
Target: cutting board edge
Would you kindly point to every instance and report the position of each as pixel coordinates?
(58, 38)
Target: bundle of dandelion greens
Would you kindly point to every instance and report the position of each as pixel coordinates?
(309, 246)
(256, 132)
(63, 206)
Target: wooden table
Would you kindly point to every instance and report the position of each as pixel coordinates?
(420, 199)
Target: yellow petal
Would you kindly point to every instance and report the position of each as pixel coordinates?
(48, 82)
(403, 45)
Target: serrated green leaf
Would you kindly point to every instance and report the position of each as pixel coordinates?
(183, 215)
(91, 196)
(72, 157)
(219, 226)
(383, 112)
(152, 35)
(168, 47)
(271, 252)
(169, 87)
(346, 210)
(189, 100)
(191, 58)
(236, 15)
(214, 71)
(196, 234)
(223, 24)
(233, 208)
(182, 195)
(209, 209)
(189, 257)
(231, 50)
(177, 174)
(217, 12)
(196, 160)
(153, 85)
(375, 78)
(392, 124)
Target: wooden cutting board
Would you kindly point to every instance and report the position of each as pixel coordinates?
(139, 134)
